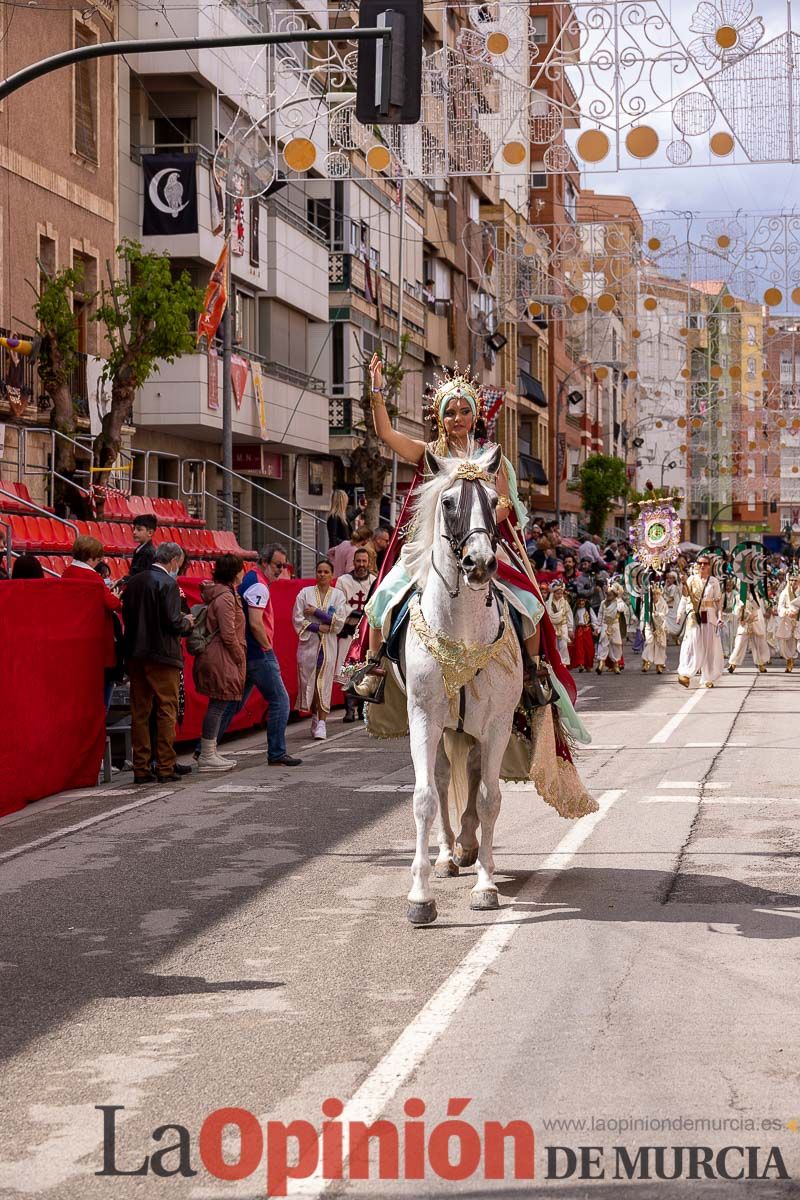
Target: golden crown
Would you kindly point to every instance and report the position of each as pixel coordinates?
(451, 385)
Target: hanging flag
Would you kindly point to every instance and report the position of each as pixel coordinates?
(258, 394)
(217, 198)
(239, 371)
(213, 378)
(170, 194)
(216, 298)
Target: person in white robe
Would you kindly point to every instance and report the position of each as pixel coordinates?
(730, 619)
(561, 615)
(610, 644)
(786, 630)
(672, 597)
(319, 613)
(655, 632)
(356, 587)
(701, 647)
(751, 634)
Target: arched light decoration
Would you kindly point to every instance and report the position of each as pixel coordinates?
(593, 146)
(641, 141)
(299, 154)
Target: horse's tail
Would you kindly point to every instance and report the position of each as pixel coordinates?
(457, 747)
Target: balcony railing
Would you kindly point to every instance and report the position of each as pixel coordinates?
(25, 376)
(340, 414)
(301, 379)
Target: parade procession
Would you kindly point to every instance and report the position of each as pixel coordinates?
(399, 599)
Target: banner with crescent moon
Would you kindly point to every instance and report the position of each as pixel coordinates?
(170, 194)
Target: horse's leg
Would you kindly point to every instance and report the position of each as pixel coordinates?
(445, 865)
(424, 747)
(484, 893)
(467, 848)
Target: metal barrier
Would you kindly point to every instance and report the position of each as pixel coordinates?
(24, 467)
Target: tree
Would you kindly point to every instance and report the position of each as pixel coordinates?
(368, 461)
(147, 316)
(58, 357)
(602, 480)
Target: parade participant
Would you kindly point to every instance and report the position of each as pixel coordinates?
(701, 648)
(319, 613)
(655, 631)
(730, 620)
(356, 587)
(672, 598)
(587, 629)
(609, 647)
(561, 616)
(751, 634)
(788, 612)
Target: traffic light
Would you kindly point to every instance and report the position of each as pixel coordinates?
(389, 81)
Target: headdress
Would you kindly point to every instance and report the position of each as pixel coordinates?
(451, 385)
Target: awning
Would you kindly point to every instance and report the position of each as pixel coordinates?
(531, 470)
(531, 389)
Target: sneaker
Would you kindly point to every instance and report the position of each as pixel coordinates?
(183, 769)
(287, 760)
(320, 732)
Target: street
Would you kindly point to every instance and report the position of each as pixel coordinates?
(241, 940)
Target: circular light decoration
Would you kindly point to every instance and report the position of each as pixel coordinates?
(683, 331)
(593, 146)
(735, 371)
(514, 153)
(299, 154)
(796, 295)
(721, 144)
(636, 333)
(697, 423)
(772, 297)
(728, 301)
(641, 141)
(601, 373)
(650, 303)
(679, 153)
(693, 113)
(681, 422)
(719, 424)
(606, 302)
(528, 250)
(659, 424)
(765, 375)
(716, 371)
(497, 43)
(795, 470)
(535, 309)
(378, 157)
(796, 423)
(653, 243)
(579, 304)
(723, 241)
(685, 373)
(683, 448)
(633, 373)
(771, 331)
(557, 158)
(726, 37)
(782, 422)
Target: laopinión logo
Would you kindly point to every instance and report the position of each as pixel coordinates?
(232, 1145)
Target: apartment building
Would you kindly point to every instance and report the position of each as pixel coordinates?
(782, 356)
(657, 442)
(59, 208)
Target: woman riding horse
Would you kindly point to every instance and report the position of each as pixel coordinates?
(455, 410)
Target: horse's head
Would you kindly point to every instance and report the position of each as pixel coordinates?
(467, 513)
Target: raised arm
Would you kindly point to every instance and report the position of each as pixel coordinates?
(409, 449)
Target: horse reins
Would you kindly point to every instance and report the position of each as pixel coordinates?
(457, 539)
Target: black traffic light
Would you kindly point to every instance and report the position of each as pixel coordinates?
(389, 82)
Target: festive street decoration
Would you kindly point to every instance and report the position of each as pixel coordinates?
(656, 534)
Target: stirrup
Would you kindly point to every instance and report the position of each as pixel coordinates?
(370, 670)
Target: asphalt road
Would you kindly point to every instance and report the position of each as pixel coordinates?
(241, 941)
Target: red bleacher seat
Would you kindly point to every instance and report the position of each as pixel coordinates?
(117, 508)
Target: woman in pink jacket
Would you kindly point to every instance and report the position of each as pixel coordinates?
(219, 671)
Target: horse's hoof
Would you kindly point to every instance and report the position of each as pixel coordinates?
(445, 870)
(422, 914)
(484, 901)
(466, 858)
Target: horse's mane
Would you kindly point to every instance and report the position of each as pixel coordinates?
(416, 555)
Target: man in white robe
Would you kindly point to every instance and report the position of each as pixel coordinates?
(788, 613)
(610, 643)
(655, 632)
(701, 648)
(751, 634)
(356, 588)
(561, 615)
(319, 613)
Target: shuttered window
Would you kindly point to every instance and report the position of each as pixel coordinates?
(85, 98)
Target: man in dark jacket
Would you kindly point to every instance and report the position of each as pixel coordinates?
(154, 626)
(144, 527)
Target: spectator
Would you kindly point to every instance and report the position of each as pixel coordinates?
(219, 670)
(570, 570)
(154, 626)
(543, 557)
(339, 528)
(341, 557)
(380, 540)
(356, 588)
(87, 552)
(318, 615)
(104, 571)
(144, 555)
(3, 554)
(591, 549)
(263, 671)
(553, 531)
(27, 566)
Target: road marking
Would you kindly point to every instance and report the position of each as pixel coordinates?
(323, 742)
(98, 793)
(693, 783)
(601, 746)
(354, 750)
(684, 799)
(54, 837)
(715, 745)
(405, 1056)
(382, 787)
(672, 724)
(244, 789)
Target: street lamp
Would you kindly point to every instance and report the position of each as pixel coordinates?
(668, 466)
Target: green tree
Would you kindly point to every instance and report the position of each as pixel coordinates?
(148, 317)
(602, 480)
(58, 357)
(368, 459)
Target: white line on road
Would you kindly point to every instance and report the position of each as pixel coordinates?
(692, 783)
(672, 724)
(245, 789)
(54, 837)
(408, 1052)
(684, 799)
(601, 746)
(382, 787)
(715, 745)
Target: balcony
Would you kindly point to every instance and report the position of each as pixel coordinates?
(179, 401)
(25, 376)
(531, 389)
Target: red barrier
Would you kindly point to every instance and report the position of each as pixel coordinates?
(51, 683)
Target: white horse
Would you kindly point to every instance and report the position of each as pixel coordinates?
(460, 634)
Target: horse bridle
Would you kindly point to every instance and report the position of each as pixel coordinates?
(457, 540)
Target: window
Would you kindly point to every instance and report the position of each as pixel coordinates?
(82, 303)
(538, 176)
(570, 200)
(473, 205)
(318, 214)
(46, 257)
(441, 279)
(337, 358)
(172, 133)
(751, 335)
(245, 321)
(539, 31)
(85, 105)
